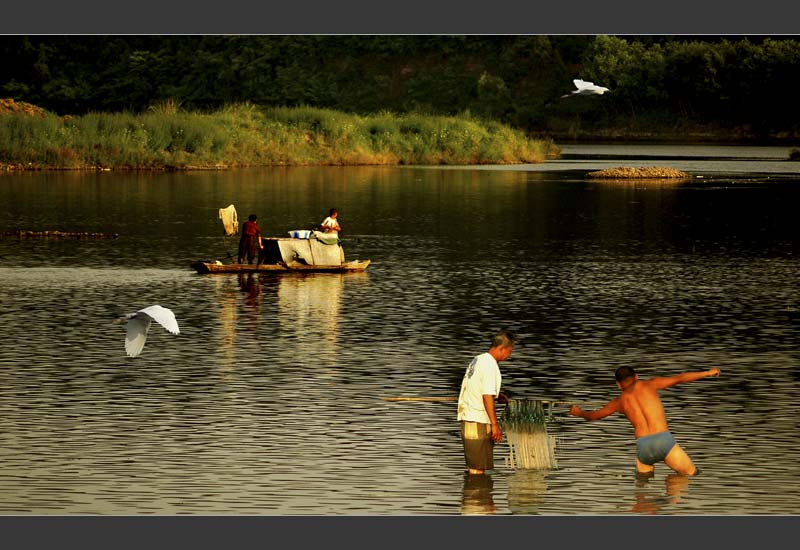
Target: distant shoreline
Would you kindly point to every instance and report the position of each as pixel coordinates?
(692, 136)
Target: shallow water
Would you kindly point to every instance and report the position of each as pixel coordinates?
(269, 402)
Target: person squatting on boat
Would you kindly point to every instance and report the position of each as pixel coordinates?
(251, 236)
(480, 429)
(640, 404)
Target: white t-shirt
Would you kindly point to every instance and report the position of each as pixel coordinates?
(330, 222)
(482, 378)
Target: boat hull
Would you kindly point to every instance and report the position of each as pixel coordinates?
(212, 267)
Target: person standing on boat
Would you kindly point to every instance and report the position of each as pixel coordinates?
(251, 235)
(330, 225)
(480, 429)
(640, 404)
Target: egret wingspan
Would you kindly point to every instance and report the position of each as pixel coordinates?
(163, 317)
(136, 334)
(138, 325)
(584, 87)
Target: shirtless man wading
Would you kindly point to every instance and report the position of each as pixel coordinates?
(640, 404)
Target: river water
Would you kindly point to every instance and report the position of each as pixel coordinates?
(271, 399)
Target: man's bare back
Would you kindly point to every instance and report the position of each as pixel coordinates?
(641, 405)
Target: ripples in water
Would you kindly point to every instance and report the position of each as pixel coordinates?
(269, 402)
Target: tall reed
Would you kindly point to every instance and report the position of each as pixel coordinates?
(246, 135)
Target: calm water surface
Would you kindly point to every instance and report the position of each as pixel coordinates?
(270, 401)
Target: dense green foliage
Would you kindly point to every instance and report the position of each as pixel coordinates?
(656, 81)
(729, 82)
(247, 135)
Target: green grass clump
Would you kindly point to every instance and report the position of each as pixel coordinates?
(246, 135)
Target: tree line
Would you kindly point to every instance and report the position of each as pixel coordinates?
(655, 81)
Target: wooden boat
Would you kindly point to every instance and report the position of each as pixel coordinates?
(310, 255)
(214, 267)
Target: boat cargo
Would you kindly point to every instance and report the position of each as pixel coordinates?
(289, 254)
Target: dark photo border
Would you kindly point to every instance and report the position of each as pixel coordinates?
(406, 17)
(233, 532)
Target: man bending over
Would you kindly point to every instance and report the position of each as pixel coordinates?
(640, 404)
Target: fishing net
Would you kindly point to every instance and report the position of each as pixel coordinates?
(525, 424)
(229, 219)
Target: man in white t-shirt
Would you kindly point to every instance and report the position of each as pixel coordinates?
(330, 225)
(480, 429)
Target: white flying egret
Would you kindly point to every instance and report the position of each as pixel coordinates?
(586, 88)
(138, 324)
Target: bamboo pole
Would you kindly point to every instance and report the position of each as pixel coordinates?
(529, 444)
(453, 398)
(420, 398)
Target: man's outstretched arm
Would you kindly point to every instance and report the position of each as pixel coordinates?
(610, 408)
(661, 382)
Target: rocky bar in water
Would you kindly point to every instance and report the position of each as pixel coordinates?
(19, 234)
(624, 172)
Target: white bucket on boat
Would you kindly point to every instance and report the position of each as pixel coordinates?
(300, 234)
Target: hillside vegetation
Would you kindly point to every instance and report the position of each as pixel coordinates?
(683, 87)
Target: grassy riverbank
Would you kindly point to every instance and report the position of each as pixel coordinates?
(165, 137)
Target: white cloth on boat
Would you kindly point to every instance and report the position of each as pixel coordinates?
(310, 252)
(326, 238)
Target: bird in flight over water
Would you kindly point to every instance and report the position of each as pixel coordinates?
(586, 88)
(138, 324)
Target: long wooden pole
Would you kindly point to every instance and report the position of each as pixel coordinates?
(452, 398)
(420, 398)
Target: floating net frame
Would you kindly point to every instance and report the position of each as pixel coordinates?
(525, 423)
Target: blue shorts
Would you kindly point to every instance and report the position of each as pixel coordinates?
(654, 448)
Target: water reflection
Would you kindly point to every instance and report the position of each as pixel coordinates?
(477, 496)
(649, 502)
(526, 490)
(228, 316)
(251, 288)
(308, 311)
(592, 275)
(642, 183)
